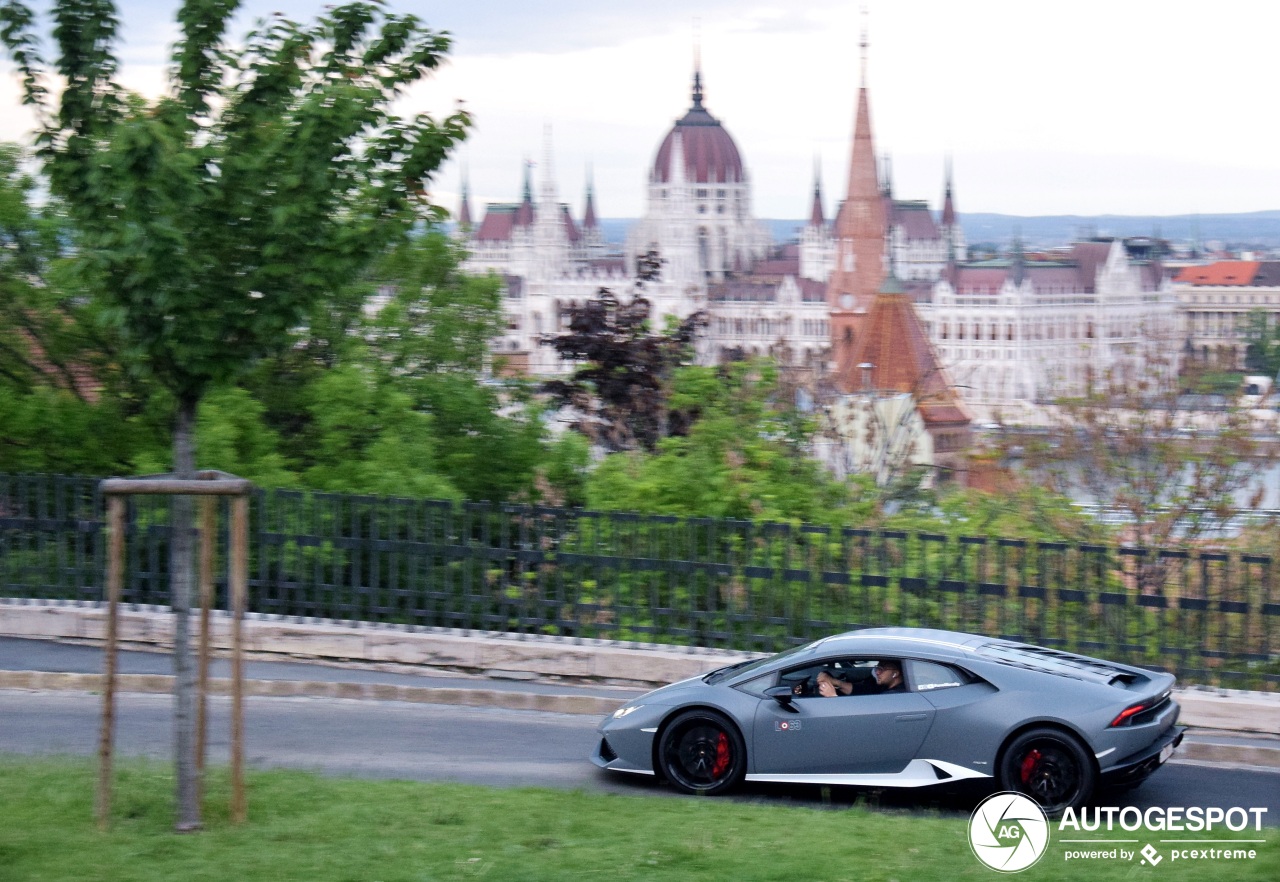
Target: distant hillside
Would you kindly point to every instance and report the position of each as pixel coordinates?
(1253, 228)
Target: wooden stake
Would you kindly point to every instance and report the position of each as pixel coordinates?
(208, 546)
(239, 578)
(115, 574)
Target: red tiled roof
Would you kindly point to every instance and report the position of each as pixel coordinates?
(916, 221)
(742, 291)
(1045, 277)
(499, 220)
(779, 266)
(1089, 256)
(979, 280)
(894, 342)
(1224, 272)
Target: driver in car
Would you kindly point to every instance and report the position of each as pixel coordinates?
(888, 676)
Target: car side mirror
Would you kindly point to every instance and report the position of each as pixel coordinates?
(783, 696)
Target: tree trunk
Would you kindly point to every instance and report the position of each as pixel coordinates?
(181, 582)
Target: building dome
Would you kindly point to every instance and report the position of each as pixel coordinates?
(710, 155)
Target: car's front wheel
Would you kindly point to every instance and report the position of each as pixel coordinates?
(702, 752)
(1051, 767)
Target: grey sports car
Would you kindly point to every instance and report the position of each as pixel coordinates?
(904, 707)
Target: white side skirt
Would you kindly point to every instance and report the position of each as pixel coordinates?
(918, 773)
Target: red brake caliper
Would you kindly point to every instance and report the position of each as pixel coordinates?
(722, 756)
(1029, 763)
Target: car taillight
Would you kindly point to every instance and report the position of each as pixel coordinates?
(1128, 713)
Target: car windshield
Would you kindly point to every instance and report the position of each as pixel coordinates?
(720, 674)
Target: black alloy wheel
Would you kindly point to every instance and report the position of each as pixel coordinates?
(701, 752)
(1049, 766)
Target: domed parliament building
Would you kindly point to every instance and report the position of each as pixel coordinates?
(1012, 333)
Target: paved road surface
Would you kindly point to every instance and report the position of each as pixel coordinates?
(488, 746)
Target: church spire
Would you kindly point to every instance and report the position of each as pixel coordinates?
(860, 239)
(464, 210)
(589, 213)
(816, 218)
(948, 202)
(698, 68)
(524, 213)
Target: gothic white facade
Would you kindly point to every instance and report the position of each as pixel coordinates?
(1016, 333)
(549, 263)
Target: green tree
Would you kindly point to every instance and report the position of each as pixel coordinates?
(212, 219)
(745, 455)
(62, 402)
(431, 338)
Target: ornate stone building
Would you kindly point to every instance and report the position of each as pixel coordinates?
(1016, 333)
(1214, 303)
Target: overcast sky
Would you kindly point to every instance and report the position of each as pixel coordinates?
(1126, 107)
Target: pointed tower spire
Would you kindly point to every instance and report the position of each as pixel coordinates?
(948, 201)
(589, 213)
(886, 178)
(860, 239)
(697, 65)
(464, 210)
(816, 218)
(863, 45)
(524, 212)
(547, 194)
(949, 224)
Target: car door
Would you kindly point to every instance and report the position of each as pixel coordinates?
(852, 734)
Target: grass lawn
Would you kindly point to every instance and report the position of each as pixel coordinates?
(314, 829)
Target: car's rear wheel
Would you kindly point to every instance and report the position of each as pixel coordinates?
(1051, 767)
(702, 752)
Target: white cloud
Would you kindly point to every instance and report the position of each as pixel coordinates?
(1139, 107)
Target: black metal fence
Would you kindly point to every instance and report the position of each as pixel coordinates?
(1212, 616)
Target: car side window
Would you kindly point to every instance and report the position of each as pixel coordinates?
(926, 676)
(855, 675)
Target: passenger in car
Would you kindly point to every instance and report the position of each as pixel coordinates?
(887, 673)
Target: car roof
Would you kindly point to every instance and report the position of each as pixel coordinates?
(907, 638)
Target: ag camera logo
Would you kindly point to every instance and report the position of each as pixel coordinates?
(1008, 832)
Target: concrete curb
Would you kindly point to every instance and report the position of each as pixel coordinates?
(162, 684)
(1229, 754)
(475, 652)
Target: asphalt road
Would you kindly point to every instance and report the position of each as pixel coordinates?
(494, 747)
